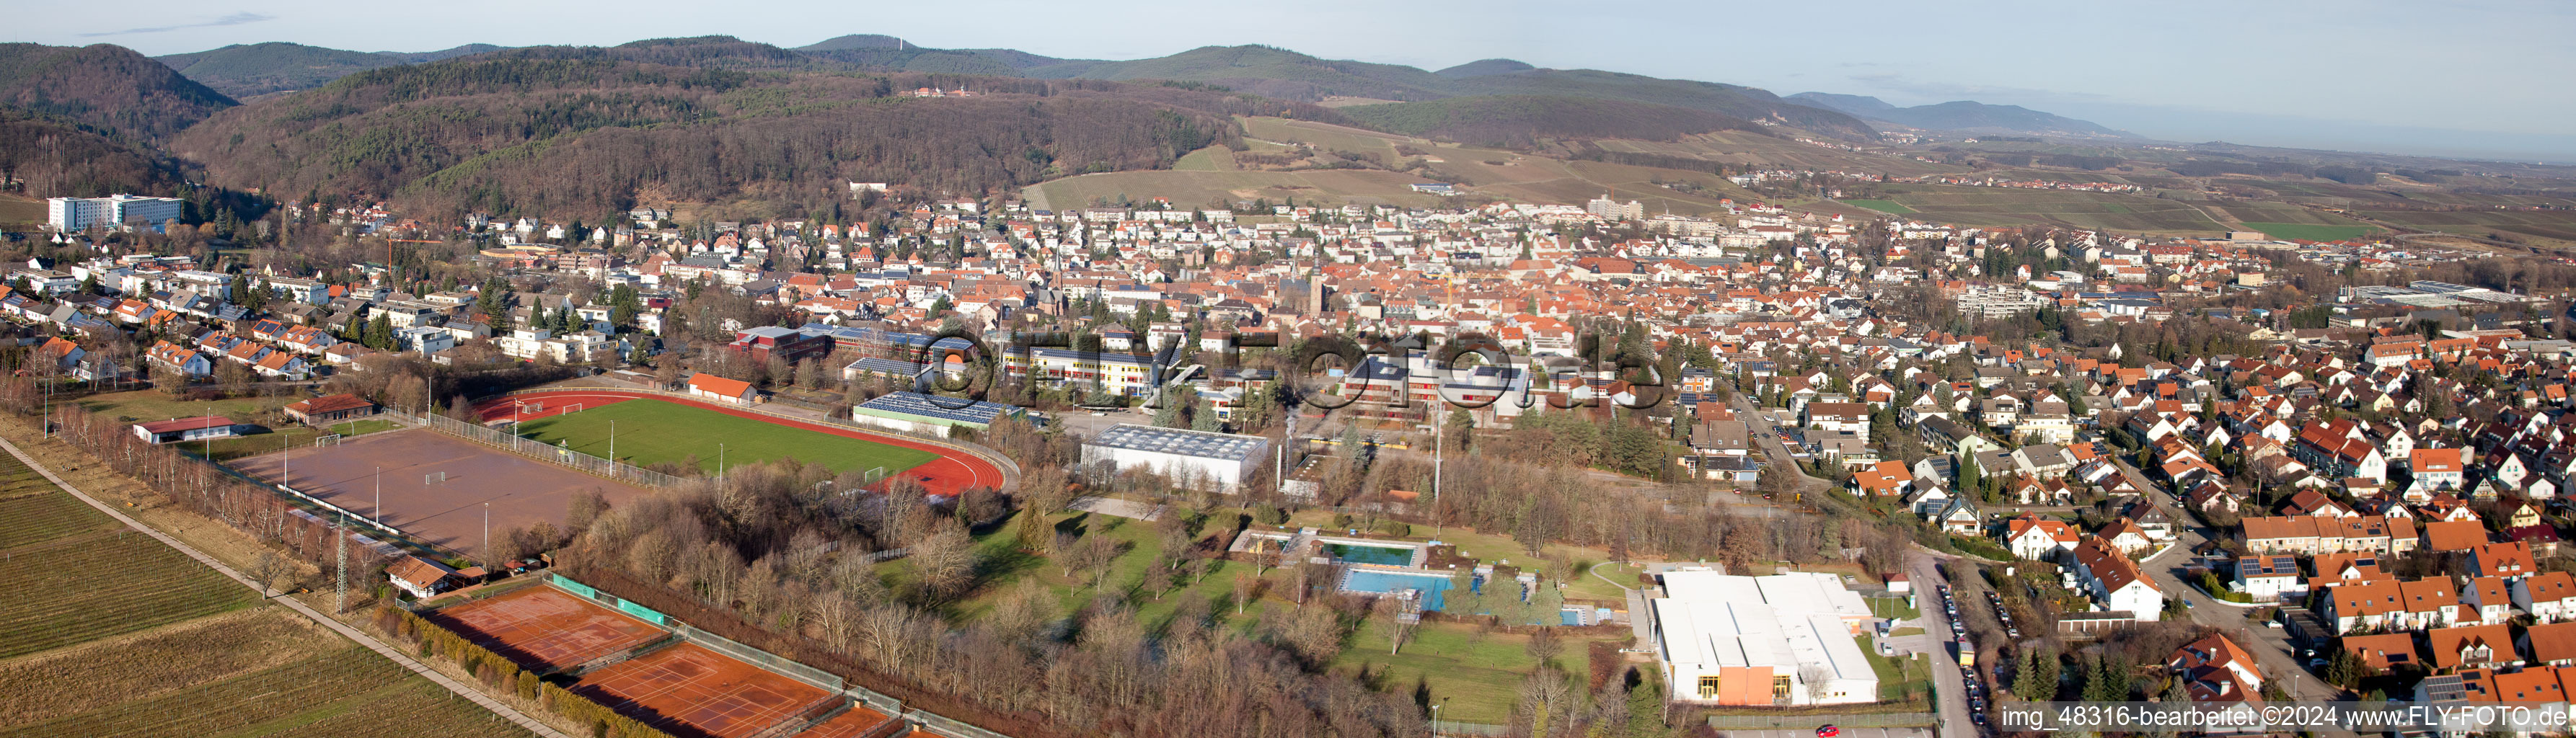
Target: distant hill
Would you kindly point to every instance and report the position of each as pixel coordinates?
(1962, 115)
(1520, 120)
(249, 70)
(1265, 71)
(105, 86)
(416, 57)
(1484, 67)
(1853, 104)
(856, 41)
(244, 71)
(578, 129)
(1279, 73)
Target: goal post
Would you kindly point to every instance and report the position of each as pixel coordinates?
(433, 478)
(326, 440)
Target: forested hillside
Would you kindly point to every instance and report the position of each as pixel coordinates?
(106, 86)
(245, 70)
(55, 158)
(563, 130)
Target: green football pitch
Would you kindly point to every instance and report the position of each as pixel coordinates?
(654, 432)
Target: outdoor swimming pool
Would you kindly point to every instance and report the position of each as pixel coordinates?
(1359, 554)
(1363, 580)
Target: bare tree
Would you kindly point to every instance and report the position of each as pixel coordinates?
(266, 570)
(1819, 681)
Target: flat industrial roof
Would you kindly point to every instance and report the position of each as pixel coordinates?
(955, 409)
(1202, 444)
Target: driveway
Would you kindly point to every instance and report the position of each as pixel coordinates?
(1117, 507)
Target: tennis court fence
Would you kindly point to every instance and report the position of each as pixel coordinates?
(828, 681)
(619, 657)
(540, 451)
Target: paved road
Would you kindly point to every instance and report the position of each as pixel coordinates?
(1846, 733)
(1114, 506)
(2271, 646)
(336, 626)
(1949, 687)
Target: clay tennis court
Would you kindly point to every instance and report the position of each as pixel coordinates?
(688, 690)
(520, 490)
(859, 721)
(953, 472)
(546, 629)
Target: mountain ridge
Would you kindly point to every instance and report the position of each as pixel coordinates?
(1267, 71)
(1962, 115)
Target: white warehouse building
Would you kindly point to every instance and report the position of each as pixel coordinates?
(1788, 639)
(1226, 460)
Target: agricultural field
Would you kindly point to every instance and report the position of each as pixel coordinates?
(63, 591)
(17, 210)
(2551, 224)
(2274, 212)
(108, 632)
(1746, 147)
(1328, 137)
(1883, 206)
(2311, 232)
(343, 691)
(1197, 189)
(1210, 159)
(2008, 206)
(655, 432)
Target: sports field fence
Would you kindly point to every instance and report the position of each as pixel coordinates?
(841, 688)
(756, 657)
(620, 656)
(541, 451)
(804, 717)
(1010, 469)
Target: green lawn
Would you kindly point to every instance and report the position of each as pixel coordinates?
(1477, 677)
(362, 427)
(655, 432)
(2309, 232)
(1895, 674)
(1584, 585)
(1884, 206)
(141, 406)
(1892, 608)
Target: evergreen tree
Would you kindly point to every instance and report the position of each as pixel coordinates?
(2039, 682)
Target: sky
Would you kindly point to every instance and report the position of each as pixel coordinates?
(2472, 78)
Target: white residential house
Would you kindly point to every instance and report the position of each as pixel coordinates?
(2269, 578)
(2115, 582)
(2039, 540)
(2548, 597)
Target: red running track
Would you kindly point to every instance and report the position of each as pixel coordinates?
(953, 472)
